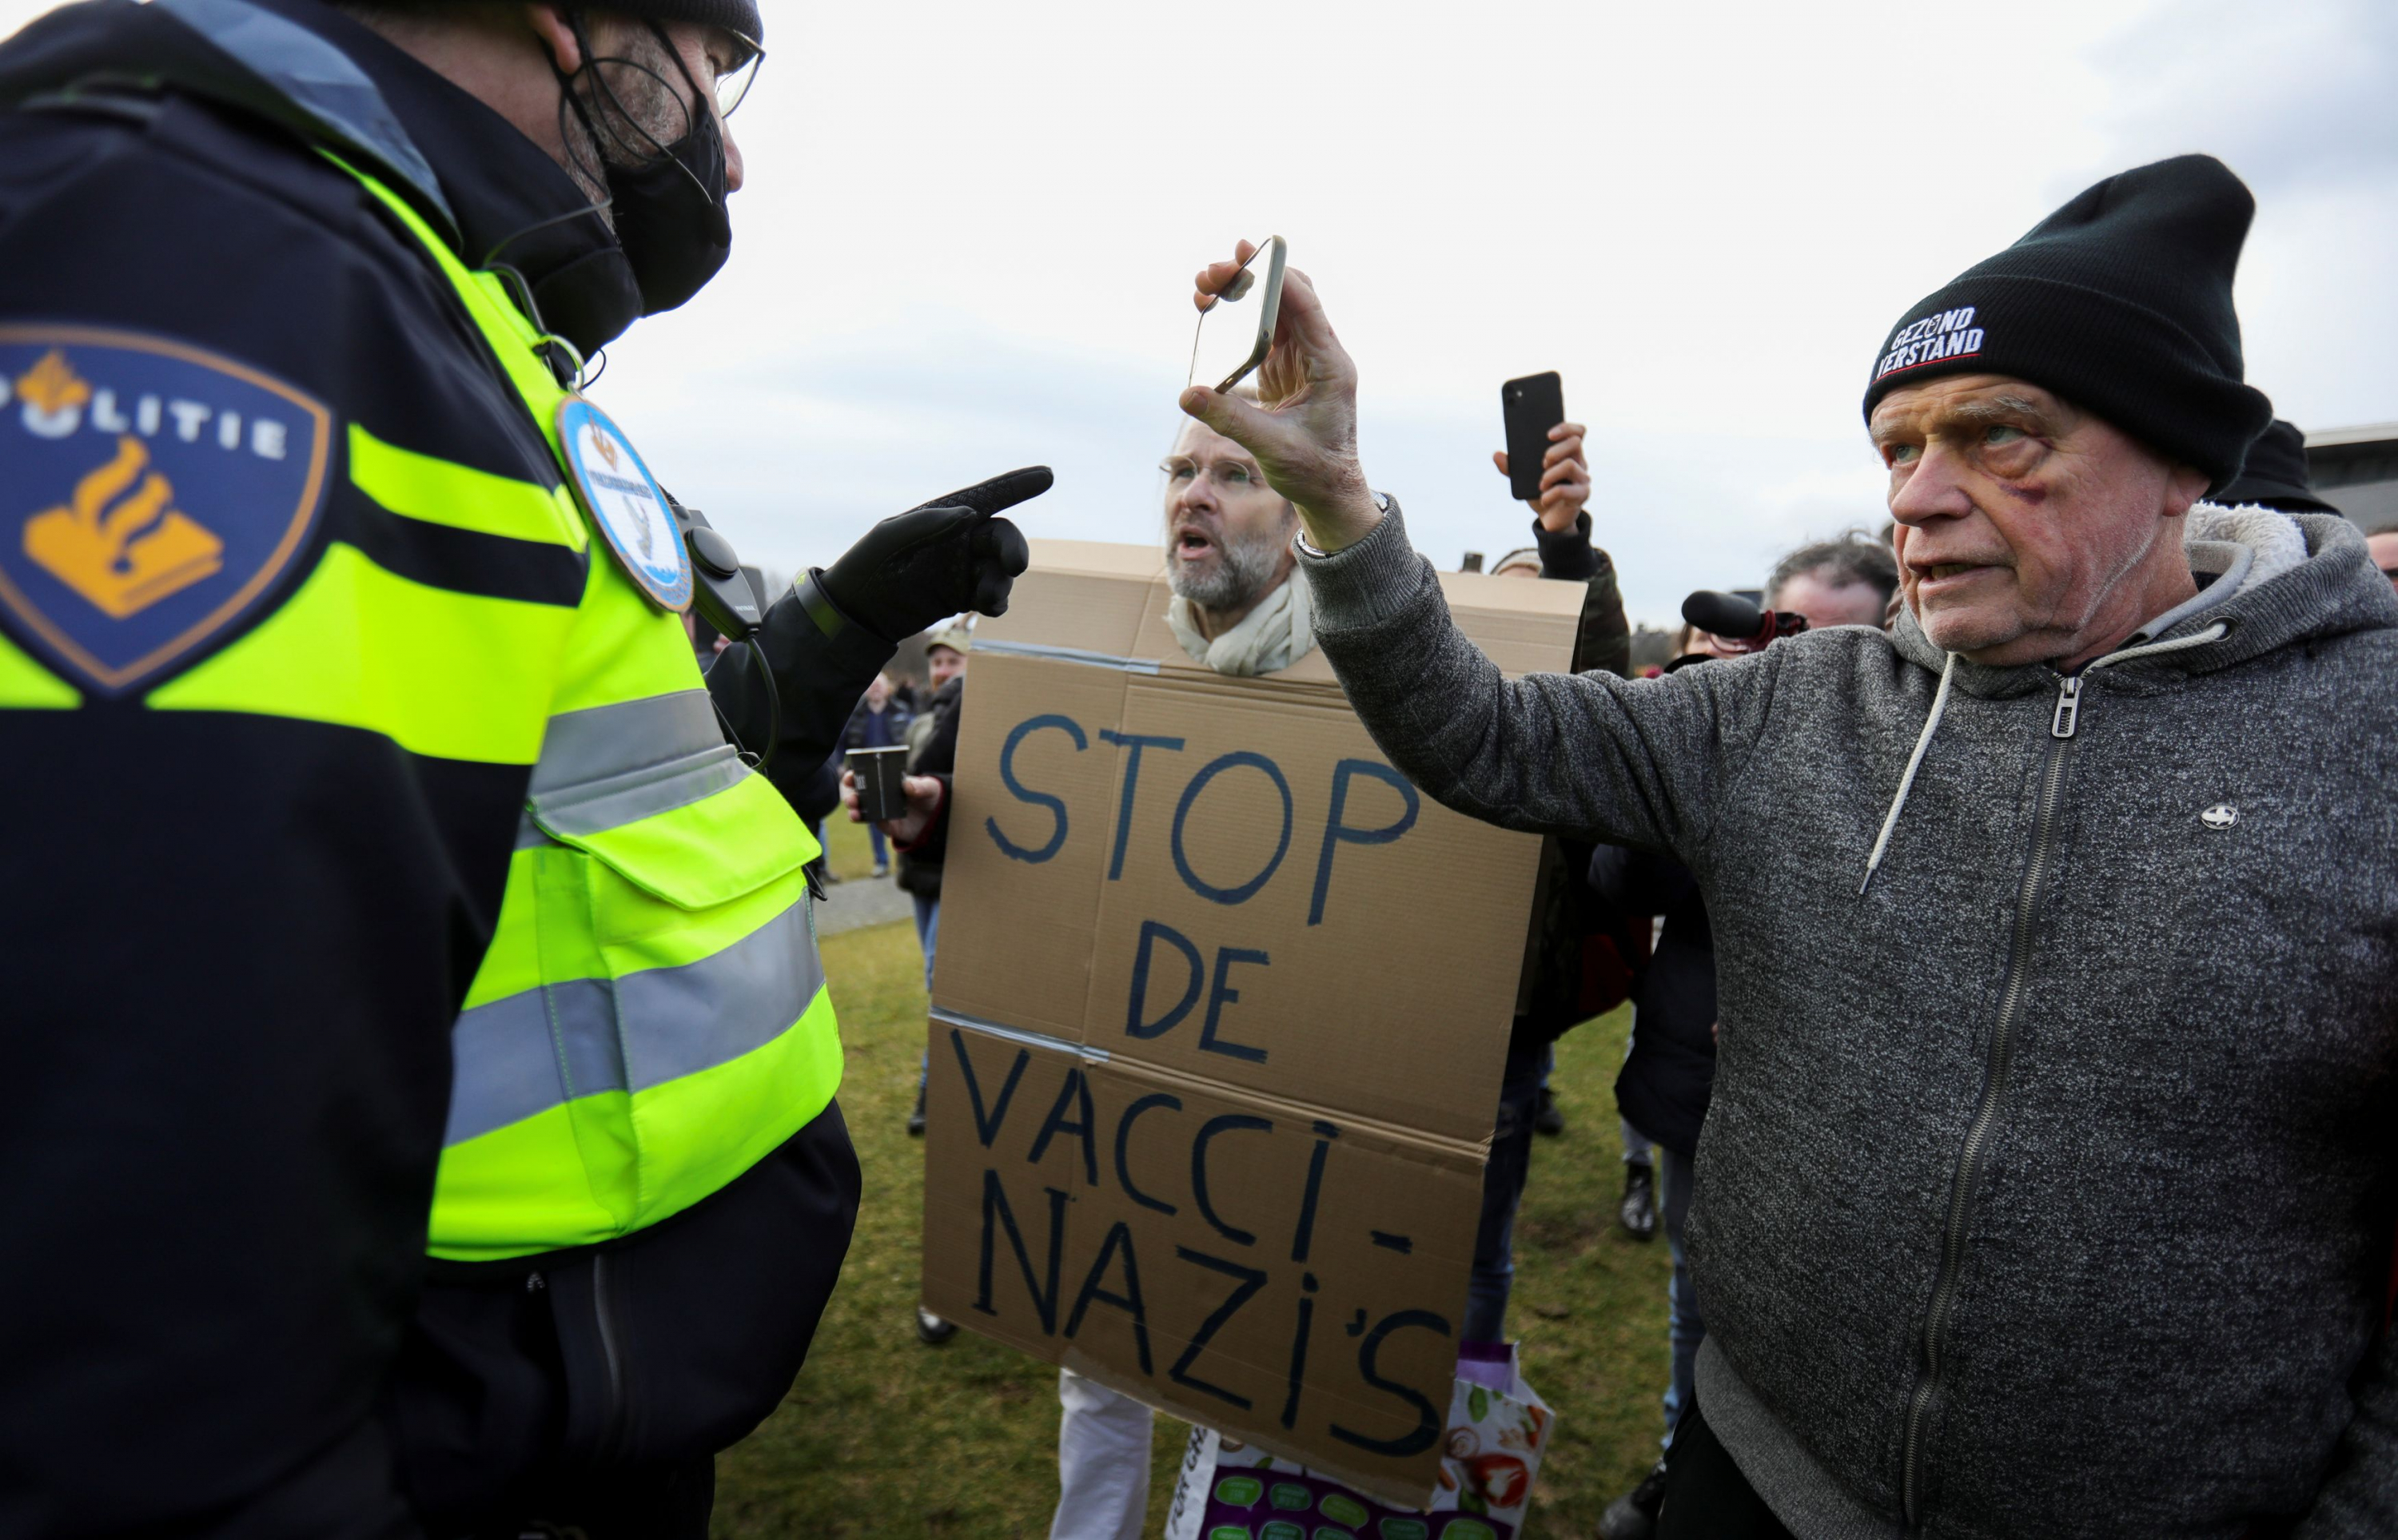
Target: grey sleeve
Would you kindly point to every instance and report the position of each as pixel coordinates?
(2360, 1497)
(1631, 761)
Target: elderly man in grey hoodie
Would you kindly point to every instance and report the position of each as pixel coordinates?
(2048, 1184)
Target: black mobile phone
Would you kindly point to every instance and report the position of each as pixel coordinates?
(1532, 406)
(880, 795)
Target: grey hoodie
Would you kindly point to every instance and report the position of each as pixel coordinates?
(2049, 1187)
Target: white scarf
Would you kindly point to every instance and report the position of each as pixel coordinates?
(1279, 631)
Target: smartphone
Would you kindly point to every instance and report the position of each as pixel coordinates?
(1532, 407)
(880, 795)
(1238, 326)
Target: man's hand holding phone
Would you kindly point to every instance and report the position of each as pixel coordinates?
(924, 794)
(1304, 430)
(1565, 478)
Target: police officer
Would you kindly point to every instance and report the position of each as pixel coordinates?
(384, 876)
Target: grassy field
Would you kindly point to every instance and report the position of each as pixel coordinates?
(848, 850)
(884, 1436)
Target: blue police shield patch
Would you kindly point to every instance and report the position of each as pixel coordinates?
(150, 495)
(624, 499)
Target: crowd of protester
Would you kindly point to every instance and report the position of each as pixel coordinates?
(1234, 547)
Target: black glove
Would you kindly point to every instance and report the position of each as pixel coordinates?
(916, 569)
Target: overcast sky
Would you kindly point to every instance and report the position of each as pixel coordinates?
(969, 229)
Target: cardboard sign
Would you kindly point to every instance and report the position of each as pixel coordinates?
(1220, 1016)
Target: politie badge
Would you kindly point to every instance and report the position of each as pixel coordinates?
(626, 502)
(151, 494)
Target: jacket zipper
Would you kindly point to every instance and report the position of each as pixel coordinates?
(1994, 1085)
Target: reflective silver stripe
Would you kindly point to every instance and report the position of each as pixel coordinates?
(601, 741)
(637, 794)
(317, 78)
(614, 764)
(541, 1049)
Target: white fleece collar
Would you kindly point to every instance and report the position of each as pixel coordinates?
(2241, 548)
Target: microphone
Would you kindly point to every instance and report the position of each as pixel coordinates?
(1741, 626)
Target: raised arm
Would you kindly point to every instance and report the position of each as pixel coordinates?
(1561, 530)
(1589, 756)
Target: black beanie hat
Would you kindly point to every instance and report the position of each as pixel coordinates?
(2276, 473)
(738, 17)
(2119, 303)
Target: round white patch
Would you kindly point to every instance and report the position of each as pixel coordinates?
(626, 502)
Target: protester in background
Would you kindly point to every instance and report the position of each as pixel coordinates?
(1580, 966)
(2047, 1185)
(922, 842)
(1849, 581)
(1228, 560)
(880, 722)
(2383, 546)
(932, 757)
(1669, 1072)
(2276, 475)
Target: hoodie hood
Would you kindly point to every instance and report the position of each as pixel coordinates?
(2278, 579)
(2298, 578)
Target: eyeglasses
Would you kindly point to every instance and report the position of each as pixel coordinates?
(733, 82)
(1229, 476)
(733, 75)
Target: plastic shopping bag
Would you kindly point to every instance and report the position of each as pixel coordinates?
(1498, 1428)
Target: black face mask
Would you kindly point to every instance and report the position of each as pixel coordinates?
(671, 218)
(670, 213)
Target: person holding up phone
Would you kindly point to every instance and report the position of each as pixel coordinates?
(1581, 959)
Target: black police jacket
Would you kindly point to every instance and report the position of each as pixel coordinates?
(235, 941)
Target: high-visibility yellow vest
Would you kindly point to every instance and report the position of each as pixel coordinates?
(651, 1016)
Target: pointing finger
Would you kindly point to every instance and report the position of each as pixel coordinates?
(998, 494)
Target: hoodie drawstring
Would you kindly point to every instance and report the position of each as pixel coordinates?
(2214, 633)
(1914, 763)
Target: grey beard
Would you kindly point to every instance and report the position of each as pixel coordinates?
(1245, 571)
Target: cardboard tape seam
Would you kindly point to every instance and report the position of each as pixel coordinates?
(1020, 1036)
(1069, 655)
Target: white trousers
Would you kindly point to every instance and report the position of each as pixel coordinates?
(1103, 1446)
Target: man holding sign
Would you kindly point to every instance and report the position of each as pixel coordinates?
(1229, 562)
(1187, 1136)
